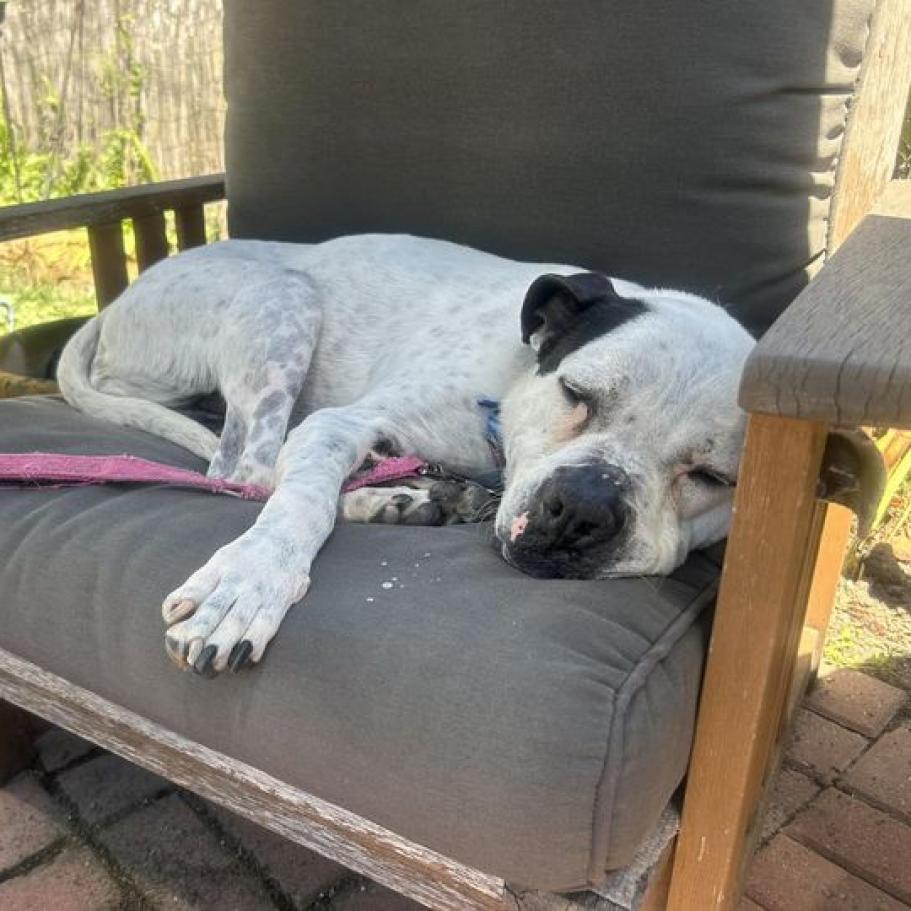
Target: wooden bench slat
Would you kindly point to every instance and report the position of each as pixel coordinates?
(151, 240)
(191, 226)
(435, 881)
(109, 261)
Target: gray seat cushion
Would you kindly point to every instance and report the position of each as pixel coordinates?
(690, 145)
(533, 729)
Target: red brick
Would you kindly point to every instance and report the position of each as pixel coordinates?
(301, 874)
(108, 784)
(883, 774)
(791, 790)
(29, 820)
(822, 747)
(862, 840)
(786, 876)
(178, 863)
(855, 700)
(371, 897)
(73, 881)
(58, 748)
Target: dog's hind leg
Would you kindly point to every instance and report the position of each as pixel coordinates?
(421, 501)
(267, 429)
(399, 505)
(230, 445)
(256, 422)
(267, 355)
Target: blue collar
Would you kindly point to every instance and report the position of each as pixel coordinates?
(493, 430)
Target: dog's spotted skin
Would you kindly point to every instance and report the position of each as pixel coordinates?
(393, 338)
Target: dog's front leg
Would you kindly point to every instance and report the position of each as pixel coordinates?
(226, 613)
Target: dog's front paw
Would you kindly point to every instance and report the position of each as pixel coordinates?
(226, 613)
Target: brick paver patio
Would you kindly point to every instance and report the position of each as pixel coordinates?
(84, 830)
(837, 832)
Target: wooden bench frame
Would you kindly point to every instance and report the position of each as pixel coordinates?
(783, 559)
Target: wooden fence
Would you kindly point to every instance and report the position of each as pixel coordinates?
(76, 70)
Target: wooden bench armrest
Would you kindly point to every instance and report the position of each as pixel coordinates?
(841, 353)
(89, 209)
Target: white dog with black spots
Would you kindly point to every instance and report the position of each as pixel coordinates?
(620, 426)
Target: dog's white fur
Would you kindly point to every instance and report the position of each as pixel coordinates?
(396, 338)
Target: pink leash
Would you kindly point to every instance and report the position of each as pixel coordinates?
(48, 469)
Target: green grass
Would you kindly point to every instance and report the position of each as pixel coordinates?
(50, 277)
(43, 302)
(46, 278)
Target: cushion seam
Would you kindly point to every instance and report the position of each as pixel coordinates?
(608, 780)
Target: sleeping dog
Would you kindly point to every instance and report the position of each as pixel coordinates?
(621, 434)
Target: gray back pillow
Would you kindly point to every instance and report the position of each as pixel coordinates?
(684, 144)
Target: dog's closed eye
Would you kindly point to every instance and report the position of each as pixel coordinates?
(580, 403)
(710, 478)
(573, 394)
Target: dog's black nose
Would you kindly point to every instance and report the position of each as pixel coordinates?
(581, 506)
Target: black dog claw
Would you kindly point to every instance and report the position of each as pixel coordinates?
(203, 663)
(240, 656)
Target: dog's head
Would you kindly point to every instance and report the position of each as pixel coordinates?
(622, 444)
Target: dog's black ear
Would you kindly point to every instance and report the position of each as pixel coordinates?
(564, 312)
(553, 302)
(853, 474)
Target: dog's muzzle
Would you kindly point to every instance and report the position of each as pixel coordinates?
(575, 525)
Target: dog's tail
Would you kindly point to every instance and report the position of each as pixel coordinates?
(74, 379)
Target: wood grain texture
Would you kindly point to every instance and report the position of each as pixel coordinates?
(109, 261)
(410, 869)
(191, 226)
(16, 736)
(758, 621)
(895, 446)
(895, 200)
(415, 871)
(830, 558)
(823, 556)
(842, 351)
(151, 240)
(110, 206)
(867, 157)
(655, 898)
(329, 830)
(810, 644)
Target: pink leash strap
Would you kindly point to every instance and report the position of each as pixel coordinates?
(48, 469)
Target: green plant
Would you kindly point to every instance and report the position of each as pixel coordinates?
(49, 278)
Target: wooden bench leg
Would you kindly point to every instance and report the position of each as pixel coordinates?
(655, 897)
(17, 732)
(758, 622)
(830, 559)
